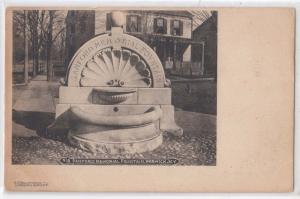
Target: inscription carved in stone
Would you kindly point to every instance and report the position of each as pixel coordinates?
(122, 61)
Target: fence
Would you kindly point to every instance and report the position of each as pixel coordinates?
(19, 67)
(188, 69)
(59, 70)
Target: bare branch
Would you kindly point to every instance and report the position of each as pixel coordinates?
(58, 34)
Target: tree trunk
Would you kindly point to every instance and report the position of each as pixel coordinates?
(49, 46)
(36, 62)
(34, 40)
(49, 65)
(26, 50)
(49, 59)
(33, 58)
(35, 51)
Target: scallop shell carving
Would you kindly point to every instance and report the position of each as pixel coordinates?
(116, 68)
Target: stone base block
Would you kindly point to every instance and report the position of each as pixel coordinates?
(142, 96)
(167, 121)
(138, 146)
(113, 133)
(154, 95)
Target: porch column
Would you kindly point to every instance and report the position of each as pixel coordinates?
(174, 54)
(202, 57)
(164, 45)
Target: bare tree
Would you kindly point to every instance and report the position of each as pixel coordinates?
(35, 19)
(43, 27)
(26, 51)
(51, 33)
(33, 28)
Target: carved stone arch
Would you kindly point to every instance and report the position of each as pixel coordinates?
(115, 60)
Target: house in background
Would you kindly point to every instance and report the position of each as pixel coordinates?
(80, 27)
(206, 33)
(169, 33)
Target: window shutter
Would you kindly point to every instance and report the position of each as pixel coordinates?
(181, 27)
(108, 21)
(127, 23)
(172, 27)
(165, 26)
(139, 23)
(155, 25)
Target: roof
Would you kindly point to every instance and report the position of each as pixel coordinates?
(163, 38)
(181, 13)
(210, 20)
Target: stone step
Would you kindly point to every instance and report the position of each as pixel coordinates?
(117, 147)
(114, 134)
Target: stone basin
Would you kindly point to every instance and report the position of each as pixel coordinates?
(113, 96)
(115, 129)
(118, 116)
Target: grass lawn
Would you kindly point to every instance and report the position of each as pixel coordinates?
(196, 97)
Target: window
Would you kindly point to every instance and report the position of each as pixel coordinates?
(108, 21)
(160, 25)
(133, 23)
(72, 13)
(176, 27)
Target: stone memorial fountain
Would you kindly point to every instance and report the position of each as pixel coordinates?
(115, 98)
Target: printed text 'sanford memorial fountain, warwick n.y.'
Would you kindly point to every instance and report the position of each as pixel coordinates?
(115, 98)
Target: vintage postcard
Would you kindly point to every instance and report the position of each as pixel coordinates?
(151, 99)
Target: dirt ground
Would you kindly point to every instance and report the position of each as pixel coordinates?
(188, 150)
